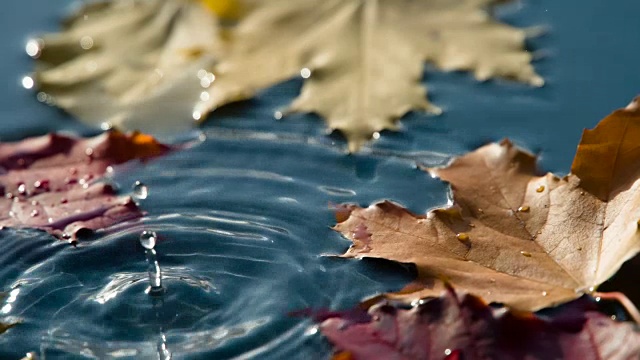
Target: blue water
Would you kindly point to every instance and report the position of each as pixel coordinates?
(242, 215)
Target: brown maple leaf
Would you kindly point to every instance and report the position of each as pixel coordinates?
(48, 182)
(456, 327)
(511, 236)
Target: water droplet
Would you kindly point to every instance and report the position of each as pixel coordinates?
(581, 192)
(524, 208)
(140, 190)
(35, 203)
(106, 126)
(34, 47)
(540, 188)
(544, 293)
(27, 82)
(22, 189)
(592, 289)
(463, 236)
(204, 96)
(305, 73)
(205, 83)
(42, 96)
(50, 220)
(88, 151)
(525, 253)
(148, 239)
(196, 115)
(202, 73)
(376, 135)
(613, 317)
(34, 213)
(447, 352)
(598, 299)
(278, 115)
(86, 42)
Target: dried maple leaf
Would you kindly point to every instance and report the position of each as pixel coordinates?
(456, 327)
(143, 65)
(47, 182)
(511, 236)
(364, 59)
(132, 64)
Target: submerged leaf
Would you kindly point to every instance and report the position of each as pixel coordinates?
(48, 182)
(132, 64)
(6, 325)
(511, 236)
(462, 327)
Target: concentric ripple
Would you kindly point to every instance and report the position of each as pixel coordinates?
(239, 245)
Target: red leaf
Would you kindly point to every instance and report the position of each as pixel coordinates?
(463, 327)
(46, 182)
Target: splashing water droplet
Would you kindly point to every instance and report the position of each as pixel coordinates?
(540, 188)
(525, 253)
(148, 239)
(140, 190)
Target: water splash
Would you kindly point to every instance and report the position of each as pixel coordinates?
(140, 190)
(148, 241)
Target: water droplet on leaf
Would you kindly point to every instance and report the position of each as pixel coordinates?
(463, 236)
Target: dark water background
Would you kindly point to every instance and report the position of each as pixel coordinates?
(242, 216)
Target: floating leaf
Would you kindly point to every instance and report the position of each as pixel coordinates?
(144, 65)
(364, 59)
(462, 327)
(511, 236)
(48, 183)
(132, 64)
